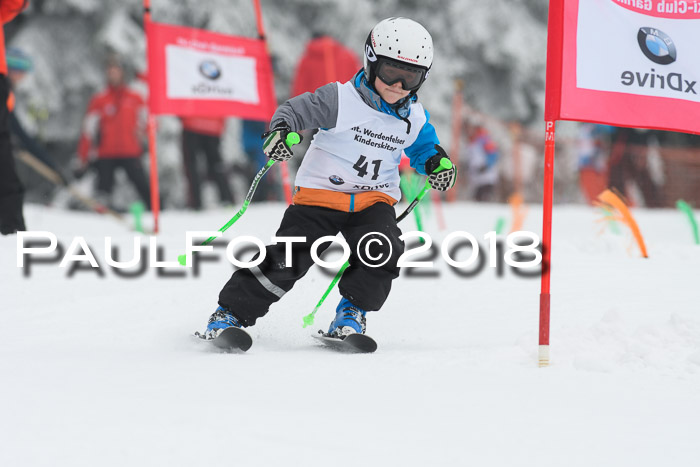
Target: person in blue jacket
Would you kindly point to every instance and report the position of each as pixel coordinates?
(19, 63)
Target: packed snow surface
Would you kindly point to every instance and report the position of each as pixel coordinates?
(103, 370)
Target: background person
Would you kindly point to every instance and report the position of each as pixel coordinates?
(114, 132)
(18, 65)
(480, 156)
(629, 165)
(324, 61)
(593, 148)
(202, 137)
(11, 189)
(269, 188)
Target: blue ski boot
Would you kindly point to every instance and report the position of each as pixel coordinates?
(349, 319)
(220, 320)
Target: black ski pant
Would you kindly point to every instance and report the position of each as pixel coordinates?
(250, 292)
(133, 167)
(192, 144)
(11, 189)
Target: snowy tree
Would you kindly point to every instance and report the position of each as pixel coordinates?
(497, 48)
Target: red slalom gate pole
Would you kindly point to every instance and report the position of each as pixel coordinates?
(457, 104)
(437, 202)
(153, 156)
(151, 129)
(549, 146)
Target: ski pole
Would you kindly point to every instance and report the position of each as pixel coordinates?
(309, 319)
(445, 164)
(54, 177)
(409, 188)
(292, 139)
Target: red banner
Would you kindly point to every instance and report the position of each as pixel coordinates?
(625, 63)
(193, 72)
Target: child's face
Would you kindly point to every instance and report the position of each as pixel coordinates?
(391, 94)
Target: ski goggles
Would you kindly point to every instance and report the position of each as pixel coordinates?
(391, 72)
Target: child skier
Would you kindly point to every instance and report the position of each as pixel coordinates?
(348, 181)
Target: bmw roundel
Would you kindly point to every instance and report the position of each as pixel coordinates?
(657, 46)
(210, 69)
(335, 180)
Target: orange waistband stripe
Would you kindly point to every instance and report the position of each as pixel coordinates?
(347, 202)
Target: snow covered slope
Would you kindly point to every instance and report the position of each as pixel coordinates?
(102, 370)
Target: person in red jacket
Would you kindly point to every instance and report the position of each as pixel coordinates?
(114, 131)
(203, 135)
(11, 189)
(325, 60)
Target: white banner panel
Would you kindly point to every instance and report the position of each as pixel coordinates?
(625, 51)
(199, 75)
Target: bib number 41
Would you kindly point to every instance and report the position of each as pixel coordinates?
(362, 164)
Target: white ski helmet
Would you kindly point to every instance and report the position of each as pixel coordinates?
(399, 49)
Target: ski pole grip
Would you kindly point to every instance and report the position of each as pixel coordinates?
(445, 164)
(292, 138)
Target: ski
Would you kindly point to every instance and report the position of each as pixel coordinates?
(354, 343)
(231, 339)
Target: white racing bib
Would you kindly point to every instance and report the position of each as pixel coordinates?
(363, 151)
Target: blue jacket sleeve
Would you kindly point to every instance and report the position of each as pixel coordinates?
(424, 146)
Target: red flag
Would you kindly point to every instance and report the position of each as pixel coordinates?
(624, 62)
(193, 72)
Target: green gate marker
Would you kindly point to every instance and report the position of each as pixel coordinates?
(500, 223)
(609, 215)
(688, 210)
(410, 186)
(137, 208)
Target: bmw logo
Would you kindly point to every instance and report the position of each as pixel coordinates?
(657, 46)
(335, 180)
(210, 70)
